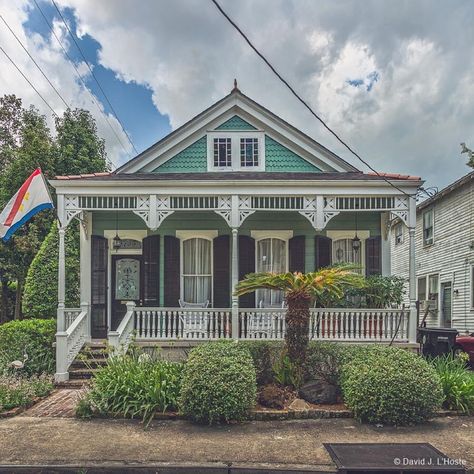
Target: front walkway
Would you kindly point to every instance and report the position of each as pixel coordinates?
(60, 404)
(31, 440)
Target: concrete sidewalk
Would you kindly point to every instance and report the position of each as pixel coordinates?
(296, 444)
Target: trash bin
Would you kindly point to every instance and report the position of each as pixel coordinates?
(436, 341)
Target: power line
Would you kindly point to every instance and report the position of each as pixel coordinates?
(94, 76)
(34, 62)
(71, 62)
(282, 79)
(29, 82)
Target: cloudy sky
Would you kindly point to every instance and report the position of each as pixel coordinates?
(394, 78)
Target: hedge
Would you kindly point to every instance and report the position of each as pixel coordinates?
(35, 337)
(40, 298)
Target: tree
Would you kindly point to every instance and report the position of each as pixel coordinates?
(300, 290)
(470, 154)
(79, 148)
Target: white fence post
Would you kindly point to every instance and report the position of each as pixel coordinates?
(62, 373)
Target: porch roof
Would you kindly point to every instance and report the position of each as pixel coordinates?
(243, 175)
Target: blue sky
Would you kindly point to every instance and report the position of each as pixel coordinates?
(131, 101)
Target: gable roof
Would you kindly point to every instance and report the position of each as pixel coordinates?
(238, 104)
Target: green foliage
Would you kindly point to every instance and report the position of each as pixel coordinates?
(470, 155)
(40, 298)
(390, 386)
(35, 337)
(286, 373)
(16, 391)
(134, 386)
(264, 355)
(219, 383)
(324, 360)
(457, 382)
(77, 137)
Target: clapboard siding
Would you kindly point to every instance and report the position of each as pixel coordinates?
(450, 256)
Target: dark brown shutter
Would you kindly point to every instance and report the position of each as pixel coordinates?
(151, 270)
(297, 254)
(246, 265)
(99, 286)
(373, 256)
(171, 272)
(323, 251)
(222, 272)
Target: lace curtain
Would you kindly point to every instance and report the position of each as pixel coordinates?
(197, 272)
(271, 257)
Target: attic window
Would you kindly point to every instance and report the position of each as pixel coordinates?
(239, 150)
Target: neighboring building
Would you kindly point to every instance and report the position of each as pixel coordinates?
(166, 237)
(444, 255)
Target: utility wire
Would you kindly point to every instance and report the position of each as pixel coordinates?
(102, 113)
(94, 76)
(282, 79)
(34, 62)
(29, 82)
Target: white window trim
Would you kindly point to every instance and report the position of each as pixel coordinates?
(184, 235)
(402, 235)
(471, 286)
(235, 136)
(427, 290)
(125, 234)
(427, 244)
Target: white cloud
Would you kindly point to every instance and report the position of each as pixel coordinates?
(49, 56)
(411, 120)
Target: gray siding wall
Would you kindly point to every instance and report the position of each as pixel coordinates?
(450, 256)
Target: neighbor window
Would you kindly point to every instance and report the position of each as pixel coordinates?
(428, 227)
(472, 286)
(196, 274)
(433, 287)
(222, 152)
(248, 152)
(398, 233)
(271, 257)
(428, 290)
(422, 289)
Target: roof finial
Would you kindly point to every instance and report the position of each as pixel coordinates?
(235, 86)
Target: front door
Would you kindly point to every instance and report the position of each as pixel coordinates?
(446, 304)
(126, 285)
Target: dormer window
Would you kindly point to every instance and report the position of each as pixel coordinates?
(222, 152)
(229, 150)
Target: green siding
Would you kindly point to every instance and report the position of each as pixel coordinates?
(236, 123)
(280, 158)
(192, 159)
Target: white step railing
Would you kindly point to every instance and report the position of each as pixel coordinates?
(70, 342)
(70, 314)
(120, 339)
(182, 323)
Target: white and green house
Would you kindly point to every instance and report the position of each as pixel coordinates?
(166, 237)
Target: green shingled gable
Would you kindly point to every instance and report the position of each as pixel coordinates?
(278, 158)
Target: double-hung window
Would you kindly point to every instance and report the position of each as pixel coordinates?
(238, 150)
(398, 233)
(196, 275)
(428, 227)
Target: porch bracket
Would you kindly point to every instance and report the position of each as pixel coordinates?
(224, 208)
(70, 210)
(244, 209)
(313, 211)
(401, 209)
(83, 219)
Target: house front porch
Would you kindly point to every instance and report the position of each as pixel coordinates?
(162, 267)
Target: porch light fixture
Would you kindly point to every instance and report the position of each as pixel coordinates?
(356, 240)
(116, 241)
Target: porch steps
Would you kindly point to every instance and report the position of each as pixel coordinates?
(91, 357)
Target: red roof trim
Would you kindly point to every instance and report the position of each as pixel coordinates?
(396, 176)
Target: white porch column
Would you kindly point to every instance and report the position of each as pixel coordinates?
(412, 322)
(235, 279)
(85, 232)
(61, 323)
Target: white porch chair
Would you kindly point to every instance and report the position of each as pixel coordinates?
(195, 324)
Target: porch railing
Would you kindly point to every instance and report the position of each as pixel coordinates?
(332, 324)
(182, 323)
(70, 314)
(120, 339)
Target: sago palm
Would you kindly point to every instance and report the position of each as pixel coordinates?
(300, 289)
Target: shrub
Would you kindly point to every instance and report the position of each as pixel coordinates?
(219, 383)
(40, 297)
(390, 386)
(457, 383)
(35, 337)
(134, 386)
(264, 355)
(16, 391)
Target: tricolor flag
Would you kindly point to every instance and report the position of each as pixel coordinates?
(31, 198)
